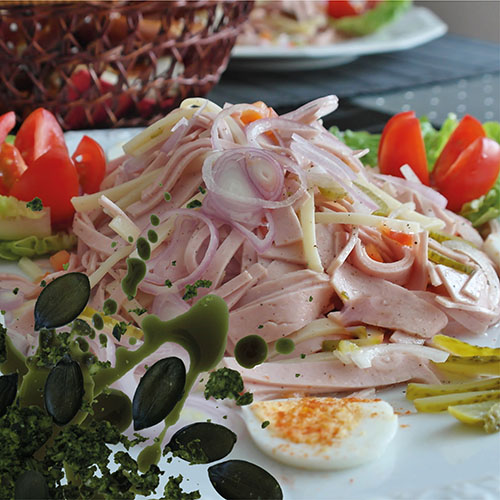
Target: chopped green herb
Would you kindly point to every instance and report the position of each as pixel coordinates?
(113, 244)
(15, 291)
(168, 283)
(155, 220)
(192, 290)
(35, 204)
(227, 383)
(297, 375)
(43, 283)
(173, 490)
(302, 356)
(130, 239)
(202, 190)
(167, 196)
(65, 266)
(310, 298)
(82, 328)
(119, 329)
(265, 424)
(138, 310)
(3, 312)
(174, 263)
(260, 327)
(194, 204)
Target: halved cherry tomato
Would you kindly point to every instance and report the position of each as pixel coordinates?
(53, 178)
(467, 131)
(402, 143)
(7, 122)
(472, 174)
(12, 166)
(39, 133)
(90, 163)
(344, 8)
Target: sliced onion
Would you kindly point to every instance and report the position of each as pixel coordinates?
(314, 110)
(430, 194)
(222, 134)
(260, 245)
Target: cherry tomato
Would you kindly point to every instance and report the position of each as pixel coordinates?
(344, 8)
(402, 143)
(472, 174)
(53, 178)
(12, 166)
(39, 133)
(90, 162)
(7, 122)
(467, 131)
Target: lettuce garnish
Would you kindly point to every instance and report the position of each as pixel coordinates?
(373, 19)
(478, 211)
(33, 246)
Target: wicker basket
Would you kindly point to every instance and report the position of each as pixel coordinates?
(114, 63)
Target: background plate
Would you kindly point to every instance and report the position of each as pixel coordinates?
(415, 27)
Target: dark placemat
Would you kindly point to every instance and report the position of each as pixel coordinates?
(448, 58)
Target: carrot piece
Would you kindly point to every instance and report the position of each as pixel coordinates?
(404, 239)
(58, 260)
(373, 252)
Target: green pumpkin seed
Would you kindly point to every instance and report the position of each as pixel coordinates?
(113, 406)
(64, 390)
(62, 300)
(31, 485)
(159, 390)
(202, 442)
(8, 391)
(241, 480)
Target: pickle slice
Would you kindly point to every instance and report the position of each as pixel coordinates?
(439, 258)
(434, 404)
(471, 365)
(460, 348)
(415, 391)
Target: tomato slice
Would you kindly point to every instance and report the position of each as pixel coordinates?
(12, 165)
(7, 122)
(53, 178)
(344, 8)
(39, 133)
(90, 163)
(467, 131)
(402, 143)
(472, 175)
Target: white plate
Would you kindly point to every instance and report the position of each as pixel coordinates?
(415, 27)
(433, 456)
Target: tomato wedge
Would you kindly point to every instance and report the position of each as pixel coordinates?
(402, 143)
(7, 122)
(467, 131)
(344, 8)
(472, 175)
(39, 133)
(90, 163)
(12, 166)
(53, 178)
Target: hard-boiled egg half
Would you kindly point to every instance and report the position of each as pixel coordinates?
(321, 433)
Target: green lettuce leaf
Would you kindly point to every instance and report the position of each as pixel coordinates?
(492, 130)
(35, 247)
(485, 208)
(373, 19)
(435, 139)
(360, 140)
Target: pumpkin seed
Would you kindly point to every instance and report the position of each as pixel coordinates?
(115, 407)
(8, 391)
(159, 390)
(238, 479)
(62, 300)
(64, 390)
(31, 485)
(202, 442)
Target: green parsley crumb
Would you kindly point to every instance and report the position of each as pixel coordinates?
(310, 298)
(265, 424)
(194, 204)
(43, 283)
(35, 204)
(15, 291)
(168, 284)
(302, 356)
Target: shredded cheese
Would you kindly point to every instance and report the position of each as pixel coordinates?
(306, 216)
(107, 265)
(357, 219)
